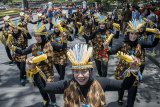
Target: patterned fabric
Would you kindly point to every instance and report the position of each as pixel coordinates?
(20, 42)
(6, 31)
(59, 57)
(22, 24)
(47, 65)
(97, 43)
(123, 65)
(73, 97)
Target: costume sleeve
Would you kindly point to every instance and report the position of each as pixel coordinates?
(57, 87)
(92, 36)
(25, 51)
(115, 49)
(58, 47)
(114, 85)
(148, 45)
(28, 36)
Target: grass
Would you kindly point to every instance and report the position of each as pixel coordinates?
(9, 12)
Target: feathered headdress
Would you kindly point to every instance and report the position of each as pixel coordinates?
(79, 56)
(135, 25)
(102, 19)
(40, 29)
(57, 23)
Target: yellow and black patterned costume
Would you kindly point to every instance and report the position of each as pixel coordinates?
(95, 95)
(123, 65)
(47, 66)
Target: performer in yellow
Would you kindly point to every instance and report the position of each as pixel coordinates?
(132, 61)
(98, 38)
(60, 35)
(6, 30)
(42, 46)
(19, 38)
(83, 89)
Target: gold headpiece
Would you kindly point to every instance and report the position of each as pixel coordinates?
(40, 29)
(79, 56)
(135, 25)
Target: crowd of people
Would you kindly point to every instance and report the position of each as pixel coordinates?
(140, 30)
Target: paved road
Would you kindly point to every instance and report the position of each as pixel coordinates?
(14, 95)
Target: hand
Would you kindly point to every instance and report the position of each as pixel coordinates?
(13, 48)
(106, 44)
(135, 64)
(158, 32)
(30, 64)
(50, 79)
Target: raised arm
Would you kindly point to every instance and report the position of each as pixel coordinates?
(114, 85)
(150, 45)
(25, 51)
(58, 47)
(57, 87)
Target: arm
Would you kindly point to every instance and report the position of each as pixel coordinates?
(57, 87)
(25, 51)
(115, 49)
(148, 45)
(58, 47)
(90, 37)
(114, 85)
(28, 36)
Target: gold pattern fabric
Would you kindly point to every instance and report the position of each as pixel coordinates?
(59, 57)
(123, 65)
(73, 97)
(97, 43)
(20, 42)
(47, 66)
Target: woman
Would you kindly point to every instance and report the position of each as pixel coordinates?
(132, 47)
(20, 40)
(83, 89)
(60, 57)
(43, 46)
(98, 38)
(6, 30)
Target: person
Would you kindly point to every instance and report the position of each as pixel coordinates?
(42, 46)
(126, 17)
(135, 12)
(6, 30)
(60, 35)
(83, 89)
(132, 47)
(97, 39)
(20, 39)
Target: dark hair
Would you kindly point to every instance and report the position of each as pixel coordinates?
(44, 40)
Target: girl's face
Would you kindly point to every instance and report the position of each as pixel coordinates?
(38, 38)
(101, 25)
(15, 30)
(56, 29)
(81, 76)
(133, 36)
